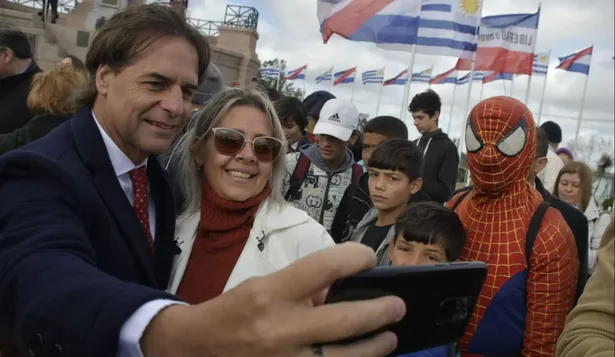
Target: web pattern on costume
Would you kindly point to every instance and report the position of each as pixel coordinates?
(496, 216)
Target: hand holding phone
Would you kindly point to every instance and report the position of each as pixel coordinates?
(439, 299)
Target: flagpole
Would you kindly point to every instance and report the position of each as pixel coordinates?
(430, 76)
(467, 109)
(544, 88)
(576, 137)
(354, 85)
(380, 92)
(504, 86)
(512, 84)
(482, 86)
(277, 81)
(450, 117)
(529, 78)
(404, 103)
(465, 116)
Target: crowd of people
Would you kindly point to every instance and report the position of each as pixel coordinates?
(146, 209)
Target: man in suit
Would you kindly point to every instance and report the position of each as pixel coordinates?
(87, 225)
(573, 217)
(17, 68)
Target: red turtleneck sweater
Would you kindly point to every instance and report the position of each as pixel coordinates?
(223, 231)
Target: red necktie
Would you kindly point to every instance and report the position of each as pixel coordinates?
(141, 204)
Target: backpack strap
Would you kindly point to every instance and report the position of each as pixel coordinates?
(464, 193)
(357, 171)
(299, 173)
(532, 231)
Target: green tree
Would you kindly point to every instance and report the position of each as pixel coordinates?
(283, 86)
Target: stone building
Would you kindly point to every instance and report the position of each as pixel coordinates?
(233, 40)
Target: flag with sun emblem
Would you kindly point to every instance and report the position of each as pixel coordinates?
(445, 28)
(541, 64)
(439, 27)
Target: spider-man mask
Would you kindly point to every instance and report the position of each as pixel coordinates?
(501, 143)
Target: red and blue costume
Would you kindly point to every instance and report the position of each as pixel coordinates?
(519, 312)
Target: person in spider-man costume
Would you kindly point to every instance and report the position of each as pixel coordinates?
(519, 313)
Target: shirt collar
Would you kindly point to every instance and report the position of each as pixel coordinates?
(120, 162)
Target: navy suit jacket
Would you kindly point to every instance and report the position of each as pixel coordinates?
(75, 263)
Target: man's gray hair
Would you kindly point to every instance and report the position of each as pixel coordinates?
(184, 171)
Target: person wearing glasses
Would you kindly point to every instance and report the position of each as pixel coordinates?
(235, 223)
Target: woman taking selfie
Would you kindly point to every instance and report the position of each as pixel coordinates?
(234, 223)
(573, 185)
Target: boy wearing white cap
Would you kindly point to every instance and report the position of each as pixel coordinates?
(319, 174)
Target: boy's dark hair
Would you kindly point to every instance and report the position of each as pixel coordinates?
(13, 38)
(553, 130)
(273, 94)
(542, 143)
(388, 126)
(428, 101)
(398, 155)
(291, 109)
(432, 223)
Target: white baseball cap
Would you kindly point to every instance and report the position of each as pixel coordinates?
(338, 118)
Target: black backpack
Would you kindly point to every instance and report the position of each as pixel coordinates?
(532, 231)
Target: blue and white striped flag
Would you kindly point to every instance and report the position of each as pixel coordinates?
(270, 72)
(478, 76)
(373, 76)
(541, 64)
(327, 76)
(422, 76)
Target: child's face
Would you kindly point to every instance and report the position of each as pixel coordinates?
(390, 189)
(413, 253)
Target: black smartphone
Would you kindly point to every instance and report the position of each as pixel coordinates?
(439, 299)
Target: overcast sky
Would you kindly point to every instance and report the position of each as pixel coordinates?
(289, 29)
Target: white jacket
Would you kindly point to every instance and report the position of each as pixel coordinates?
(286, 234)
(548, 175)
(597, 225)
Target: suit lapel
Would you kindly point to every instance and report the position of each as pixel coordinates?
(94, 154)
(166, 247)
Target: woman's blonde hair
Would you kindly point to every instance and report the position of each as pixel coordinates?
(184, 170)
(52, 91)
(585, 174)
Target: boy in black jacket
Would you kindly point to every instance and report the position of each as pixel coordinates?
(356, 200)
(440, 157)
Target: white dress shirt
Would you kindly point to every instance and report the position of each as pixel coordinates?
(133, 328)
(549, 174)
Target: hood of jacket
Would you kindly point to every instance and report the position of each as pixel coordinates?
(435, 135)
(313, 153)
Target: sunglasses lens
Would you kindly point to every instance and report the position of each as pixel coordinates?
(266, 149)
(228, 142)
